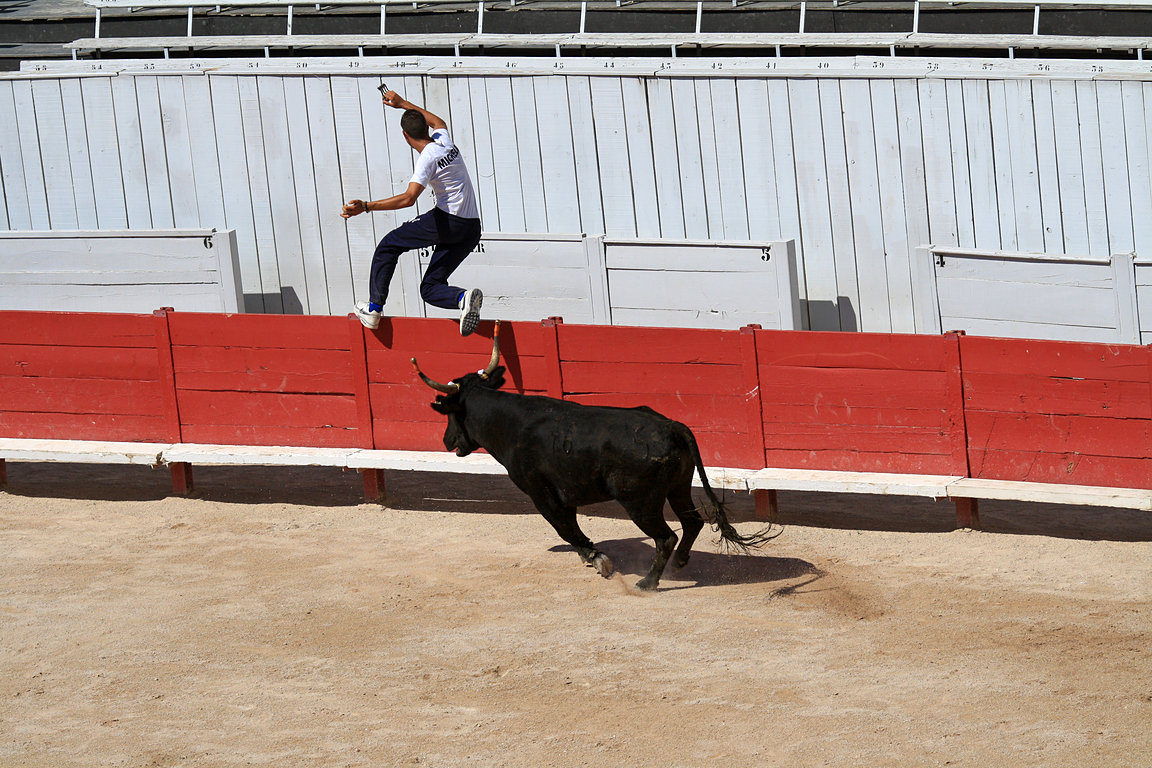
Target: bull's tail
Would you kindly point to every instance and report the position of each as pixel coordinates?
(717, 516)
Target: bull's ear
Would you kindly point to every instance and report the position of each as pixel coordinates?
(446, 405)
(495, 379)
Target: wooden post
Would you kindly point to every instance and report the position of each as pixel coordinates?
(552, 360)
(373, 484)
(182, 483)
(374, 487)
(767, 508)
(967, 513)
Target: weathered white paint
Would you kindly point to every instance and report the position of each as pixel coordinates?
(859, 160)
(1144, 299)
(120, 270)
(702, 285)
(1027, 295)
(597, 280)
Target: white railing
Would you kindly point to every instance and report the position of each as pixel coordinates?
(559, 39)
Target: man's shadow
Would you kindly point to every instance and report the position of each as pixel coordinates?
(709, 566)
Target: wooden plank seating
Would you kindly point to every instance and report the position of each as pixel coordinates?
(948, 416)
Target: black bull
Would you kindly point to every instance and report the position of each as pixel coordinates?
(565, 455)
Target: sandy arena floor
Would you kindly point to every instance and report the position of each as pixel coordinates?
(275, 620)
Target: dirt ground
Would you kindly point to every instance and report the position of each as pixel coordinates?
(275, 619)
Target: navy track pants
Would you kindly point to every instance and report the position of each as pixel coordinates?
(453, 237)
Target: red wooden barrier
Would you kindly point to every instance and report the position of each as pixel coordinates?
(82, 377)
(264, 379)
(694, 376)
(861, 402)
(1058, 412)
(993, 408)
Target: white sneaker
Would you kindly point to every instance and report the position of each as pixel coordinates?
(470, 305)
(368, 317)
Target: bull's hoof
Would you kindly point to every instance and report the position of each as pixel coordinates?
(681, 560)
(603, 565)
(647, 583)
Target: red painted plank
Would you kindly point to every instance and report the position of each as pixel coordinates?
(595, 343)
(361, 392)
(955, 424)
(82, 395)
(431, 336)
(836, 416)
(819, 349)
(927, 390)
(881, 439)
(397, 401)
(264, 370)
(270, 331)
(83, 426)
(1052, 359)
(752, 453)
(266, 409)
(93, 362)
(392, 368)
(76, 329)
(629, 377)
(1017, 393)
(1047, 433)
(860, 461)
(410, 435)
(232, 434)
(724, 449)
(697, 411)
(1065, 468)
(167, 379)
(394, 402)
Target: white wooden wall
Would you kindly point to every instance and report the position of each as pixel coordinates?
(1027, 295)
(120, 270)
(860, 163)
(1144, 299)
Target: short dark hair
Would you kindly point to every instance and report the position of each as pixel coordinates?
(414, 124)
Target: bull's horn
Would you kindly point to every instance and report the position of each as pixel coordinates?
(495, 353)
(448, 389)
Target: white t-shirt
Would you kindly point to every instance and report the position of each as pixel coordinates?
(441, 168)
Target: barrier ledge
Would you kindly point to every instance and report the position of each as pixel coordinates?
(426, 461)
(771, 479)
(302, 456)
(1051, 493)
(84, 451)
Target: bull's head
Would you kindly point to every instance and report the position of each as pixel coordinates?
(453, 396)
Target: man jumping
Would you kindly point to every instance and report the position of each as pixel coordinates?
(452, 227)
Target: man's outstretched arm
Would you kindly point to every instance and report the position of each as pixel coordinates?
(393, 99)
(405, 199)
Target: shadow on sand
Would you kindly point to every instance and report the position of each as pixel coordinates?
(495, 494)
(708, 566)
